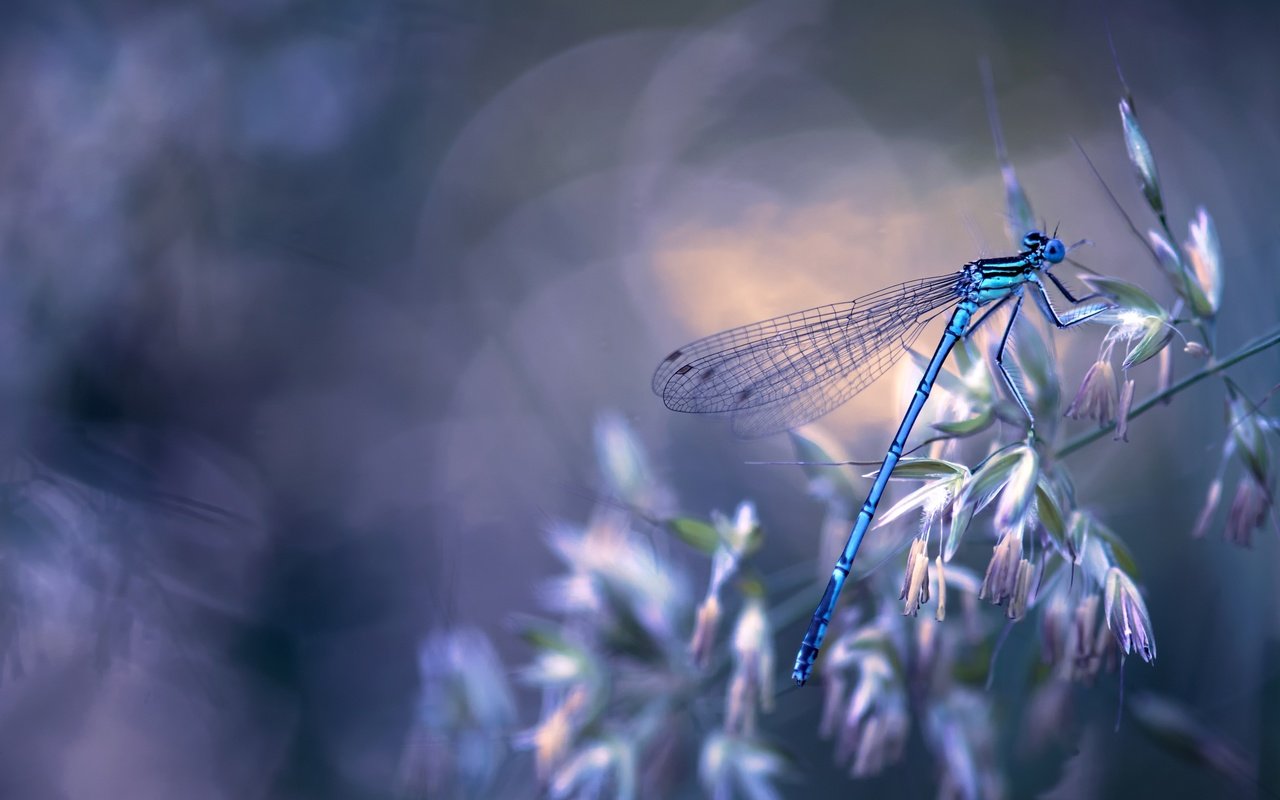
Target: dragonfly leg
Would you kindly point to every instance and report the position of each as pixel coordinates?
(1062, 287)
(1008, 379)
(1042, 297)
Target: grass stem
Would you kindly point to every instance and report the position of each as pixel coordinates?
(1258, 345)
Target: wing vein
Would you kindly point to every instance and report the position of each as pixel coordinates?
(785, 371)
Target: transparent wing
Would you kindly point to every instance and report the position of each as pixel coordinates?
(822, 398)
(789, 370)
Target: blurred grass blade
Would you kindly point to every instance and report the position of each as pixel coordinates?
(1205, 255)
(978, 492)
(1036, 363)
(1168, 258)
(965, 427)
(694, 532)
(1019, 492)
(924, 468)
(1156, 334)
(1049, 511)
(929, 498)
(1249, 435)
(1125, 294)
(1020, 218)
(827, 482)
(1172, 727)
(1144, 163)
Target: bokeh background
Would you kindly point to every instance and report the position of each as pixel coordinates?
(307, 308)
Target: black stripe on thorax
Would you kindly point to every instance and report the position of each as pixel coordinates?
(1002, 263)
(1008, 265)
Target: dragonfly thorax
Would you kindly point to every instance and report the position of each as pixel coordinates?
(990, 279)
(970, 279)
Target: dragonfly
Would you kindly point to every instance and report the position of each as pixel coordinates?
(784, 372)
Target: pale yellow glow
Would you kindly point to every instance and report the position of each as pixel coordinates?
(776, 260)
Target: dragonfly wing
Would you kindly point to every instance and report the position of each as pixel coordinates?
(822, 398)
(809, 361)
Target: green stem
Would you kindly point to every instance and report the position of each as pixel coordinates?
(1257, 346)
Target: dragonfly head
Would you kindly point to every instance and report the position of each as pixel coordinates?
(1054, 251)
(1051, 249)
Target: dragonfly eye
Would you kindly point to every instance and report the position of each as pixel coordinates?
(1054, 251)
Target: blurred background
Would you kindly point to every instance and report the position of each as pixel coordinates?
(307, 309)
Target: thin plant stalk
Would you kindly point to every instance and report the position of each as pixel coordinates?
(1262, 343)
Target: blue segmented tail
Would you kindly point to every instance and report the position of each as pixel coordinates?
(826, 606)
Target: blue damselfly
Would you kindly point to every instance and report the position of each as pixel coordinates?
(790, 370)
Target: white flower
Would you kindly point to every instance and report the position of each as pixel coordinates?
(1127, 615)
